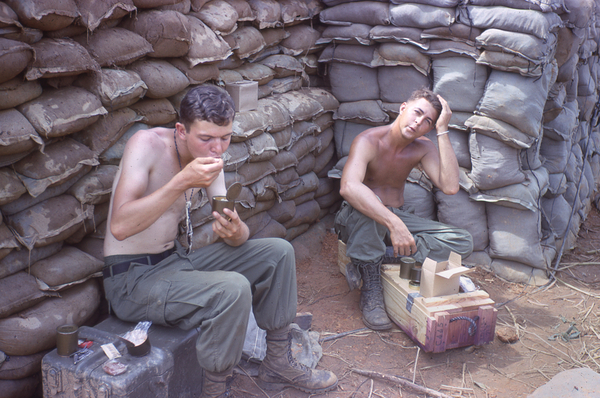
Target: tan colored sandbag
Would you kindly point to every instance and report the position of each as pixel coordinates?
(114, 46)
(167, 31)
(272, 230)
(284, 160)
(283, 211)
(95, 187)
(68, 265)
(56, 164)
(60, 57)
(293, 11)
(325, 141)
(93, 246)
(155, 112)
(243, 10)
(261, 148)
(267, 13)
(107, 130)
(235, 156)
(198, 74)
(14, 58)
(287, 177)
(12, 187)
(309, 183)
(248, 124)
(18, 260)
(17, 91)
(294, 232)
(304, 145)
(283, 65)
(248, 41)
(162, 78)
(92, 13)
(50, 221)
(265, 190)
(219, 15)
(18, 135)
(8, 242)
(94, 227)
(154, 3)
(257, 222)
(206, 45)
(302, 40)
(249, 173)
(19, 292)
(9, 19)
(116, 88)
(34, 329)
(22, 366)
(306, 164)
(59, 112)
(256, 72)
(277, 116)
(301, 105)
(45, 14)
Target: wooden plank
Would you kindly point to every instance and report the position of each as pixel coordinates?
(487, 325)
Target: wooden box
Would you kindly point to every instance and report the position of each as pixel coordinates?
(436, 324)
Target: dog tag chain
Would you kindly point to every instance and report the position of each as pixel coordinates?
(189, 230)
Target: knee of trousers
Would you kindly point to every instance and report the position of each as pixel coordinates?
(235, 291)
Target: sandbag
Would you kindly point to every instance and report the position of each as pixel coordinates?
(247, 125)
(265, 189)
(167, 31)
(20, 367)
(56, 164)
(344, 134)
(261, 148)
(16, 92)
(48, 222)
(306, 164)
(93, 13)
(257, 222)
(365, 112)
(249, 173)
(522, 196)
(205, 45)
(283, 65)
(309, 183)
(354, 82)
(300, 105)
(399, 34)
(96, 186)
(457, 31)
(219, 15)
(18, 260)
(19, 292)
(393, 54)
(162, 78)
(256, 72)
(452, 210)
(69, 265)
(243, 9)
(294, 232)
(355, 33)
(12, 187)
(460, 145)
(283, 160)
(396, 83)
(306, 213)
(460, 81)
(235, 155)
(8, 242)
(34, 329)
(325, 161)
(155, 111)
(532, 22)
(45, 14)
(293, 11)
(302, 39)
(325, 140)
(14, 58)
(59, 112)
(517, 100)
(494, 164)
(283, 211)
(267, 13)
(557, 211)
(21, 388)
(248, 41)
(527, 46)
(515, 235)
(115, 88)
(18, 135)
(351, 54)
(272, 230)
(106, 131)
(114, 46)
(500, 130)
(517, 272)
(365, 12)
(421, 15)
(60, 57)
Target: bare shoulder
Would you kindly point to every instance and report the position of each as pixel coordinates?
(149, 142)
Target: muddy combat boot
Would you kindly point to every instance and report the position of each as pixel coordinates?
(217, 385)
(371, 297)
(279, 369)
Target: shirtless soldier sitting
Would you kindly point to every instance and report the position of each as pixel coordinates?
(149, 275)
(371, 216)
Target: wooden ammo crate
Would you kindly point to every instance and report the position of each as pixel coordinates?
(436, 324)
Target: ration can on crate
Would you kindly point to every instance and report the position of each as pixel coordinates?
(435, 323)
(169, 370)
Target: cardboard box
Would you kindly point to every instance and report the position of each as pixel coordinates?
(442, 278)
(244, 95)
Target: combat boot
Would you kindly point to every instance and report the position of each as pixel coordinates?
(280, 369)
(371, 296)
(217, 385)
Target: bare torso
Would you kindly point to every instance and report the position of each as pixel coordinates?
(387, 172)
(161, 234)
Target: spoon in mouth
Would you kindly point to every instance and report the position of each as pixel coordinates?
(234, 191)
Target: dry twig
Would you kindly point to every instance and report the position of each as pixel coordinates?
(404, 383)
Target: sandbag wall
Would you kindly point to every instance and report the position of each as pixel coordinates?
(78, 78)
(520, 77)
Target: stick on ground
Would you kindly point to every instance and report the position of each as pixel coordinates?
(402, 382)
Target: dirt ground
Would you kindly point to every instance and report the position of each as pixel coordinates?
(494, 370)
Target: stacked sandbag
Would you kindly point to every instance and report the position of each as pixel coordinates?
(78, 78)
(520, 77)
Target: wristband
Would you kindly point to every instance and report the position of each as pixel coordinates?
(443, 132)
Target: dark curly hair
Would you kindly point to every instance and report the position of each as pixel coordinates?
(208, 103)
